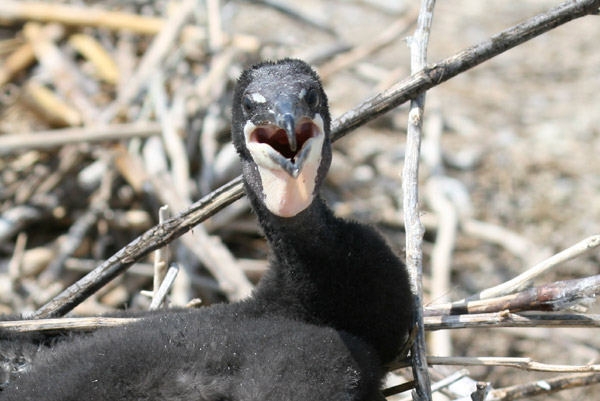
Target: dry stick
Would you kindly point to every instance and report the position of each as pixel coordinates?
(24, 55)
(438, 188)
(358, 116)
(484, 320)
(66, 76)
(442, 71)
(72, 241)
(385, 38)
(548, 297)
(21, 58)
(517, 283)
(172, 142)
(79, 229)
(513, 242)
(445, 382)
(437, 386)
(510, 362)
(159, 295)
(215, 26)
(81, 16)
(151, 60)
(504, 319)
(516, 244)
(59, 137)
(519, 363)
(15, 267)
(152, 239)
(547, 386)
(53, 108)
(62, 324)
(209, 249)
(295, 14)
(161, 258)
(104, 63)
(410, 201)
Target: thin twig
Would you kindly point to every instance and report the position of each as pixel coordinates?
(410, 201)
(519, 363)
(523, 279)
(504, 319)
(161, 258)
(60, 137)
(548, 297)
(158, 297)
(172, 142)
(64, 324)
(540, 387)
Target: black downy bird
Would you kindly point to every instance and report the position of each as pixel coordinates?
(324, 271)
(222, 357)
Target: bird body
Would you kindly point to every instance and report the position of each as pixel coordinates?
(203, 356)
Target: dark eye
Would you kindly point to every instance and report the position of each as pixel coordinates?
(313, 99)
(247, 103)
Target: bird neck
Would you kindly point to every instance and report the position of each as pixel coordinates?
(308, 231)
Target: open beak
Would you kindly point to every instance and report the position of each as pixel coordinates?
(286, 140)
(287, 147)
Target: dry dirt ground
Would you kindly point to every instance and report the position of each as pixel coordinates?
(520, 139)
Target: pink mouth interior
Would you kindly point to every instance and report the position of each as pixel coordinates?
(276, 137)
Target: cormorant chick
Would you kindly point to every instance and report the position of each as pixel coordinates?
(174, 357)
(323, 270)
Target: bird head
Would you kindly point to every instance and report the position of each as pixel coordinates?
(281, 132)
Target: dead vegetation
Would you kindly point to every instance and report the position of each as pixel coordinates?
(110, 110)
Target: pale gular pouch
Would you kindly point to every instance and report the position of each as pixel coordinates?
(288, 183)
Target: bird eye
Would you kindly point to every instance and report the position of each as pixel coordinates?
(313, 99)
(247, 103)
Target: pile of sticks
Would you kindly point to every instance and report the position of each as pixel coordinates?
(109, 114)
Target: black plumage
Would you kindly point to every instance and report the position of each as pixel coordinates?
(225, 358)
(330, 280)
